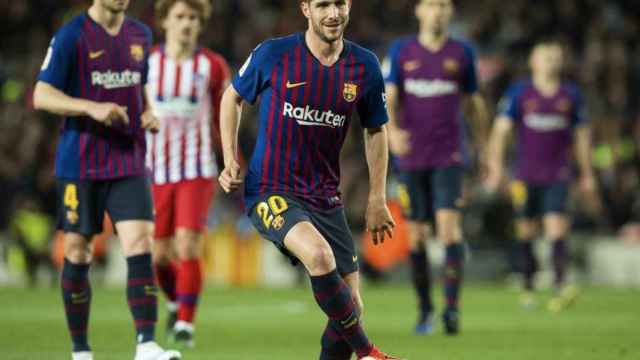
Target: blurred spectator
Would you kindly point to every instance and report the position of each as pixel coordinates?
(601, 37)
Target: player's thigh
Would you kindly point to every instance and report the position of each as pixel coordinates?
(274, 215)
(334, 228)
(129, 204)
(556, 225)
(80, 207)
(193, 199)
(414, 191)
(447, 202)
(164, 199)
(163, 250)
(556, 221)
(308, 245)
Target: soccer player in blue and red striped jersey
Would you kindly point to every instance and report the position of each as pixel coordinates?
(93, 75)
(309, 85)
(547, 114)
(431, 79)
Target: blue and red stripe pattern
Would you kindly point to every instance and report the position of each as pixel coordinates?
(304, 115)
(84, 61)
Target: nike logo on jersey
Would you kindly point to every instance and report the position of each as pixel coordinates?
(354, 258)
(95, 54)
(291, 85)
(411, 65)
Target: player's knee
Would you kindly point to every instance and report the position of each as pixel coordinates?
(162, 253)
(187, 245)
(77, 250)
(136, 244)
(526, 230)
(322, 260)
(417, 236)
(450, 234)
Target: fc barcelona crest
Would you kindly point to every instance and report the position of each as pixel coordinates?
(350, 92)
(137, 52)
(563, 105)
(451, 65)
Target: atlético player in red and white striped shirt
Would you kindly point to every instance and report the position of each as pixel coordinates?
(184, 89)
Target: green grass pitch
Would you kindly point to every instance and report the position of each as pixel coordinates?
(261, 324)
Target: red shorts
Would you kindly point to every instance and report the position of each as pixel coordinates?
(184, 204)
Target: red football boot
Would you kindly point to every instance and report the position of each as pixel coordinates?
(376, 354)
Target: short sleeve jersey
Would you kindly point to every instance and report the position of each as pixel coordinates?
(304, 114)
(84, 61)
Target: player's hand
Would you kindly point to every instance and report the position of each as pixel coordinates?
(231, 177)
(150, 122)
(379, 221)
(108, 113)
(399, 141)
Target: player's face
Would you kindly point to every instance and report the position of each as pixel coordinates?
(435, 15)
(114, 5)
(182, 24)
(327, 18)
(547, 59)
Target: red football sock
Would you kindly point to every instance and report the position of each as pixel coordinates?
(188, 289)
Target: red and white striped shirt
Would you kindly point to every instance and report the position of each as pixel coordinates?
(185, 97)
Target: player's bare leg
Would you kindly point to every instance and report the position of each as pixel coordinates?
(332, 293)
(136, 237)
(450, 233)
(166, 273)
(556, 229)
(527, 230)
(76, 292)
(421, 274)
(189, 283)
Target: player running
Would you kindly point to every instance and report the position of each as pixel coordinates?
(430, 78)
(309, 86)
(93, 75)
(547, 114)
(185, 84)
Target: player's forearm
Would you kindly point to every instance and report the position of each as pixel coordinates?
(230, 112)
(377, 153)
(50, 99)
(583, 150)
(496, 147)
(477, 112)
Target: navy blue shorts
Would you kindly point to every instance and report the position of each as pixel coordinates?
(423, 192)
(275, 214)
(533, 201)
(82, 203)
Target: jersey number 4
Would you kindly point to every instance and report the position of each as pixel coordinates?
(270, 211)
(71, 197)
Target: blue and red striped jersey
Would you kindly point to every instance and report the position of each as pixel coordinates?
(84, 61)
(304, 114)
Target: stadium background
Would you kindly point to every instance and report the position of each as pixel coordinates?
(602, 40)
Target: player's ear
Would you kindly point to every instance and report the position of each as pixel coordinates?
(305, 7)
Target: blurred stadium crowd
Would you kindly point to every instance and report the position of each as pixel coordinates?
(604, 57)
